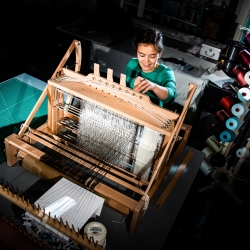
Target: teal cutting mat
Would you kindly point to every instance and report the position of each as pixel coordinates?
(17, 100)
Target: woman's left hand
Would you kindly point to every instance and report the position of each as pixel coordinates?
(143, 85)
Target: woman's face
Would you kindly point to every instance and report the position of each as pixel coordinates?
(148, 56)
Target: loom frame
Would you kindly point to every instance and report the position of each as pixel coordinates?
(21, 145)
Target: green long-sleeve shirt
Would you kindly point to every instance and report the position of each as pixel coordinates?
(162, 75)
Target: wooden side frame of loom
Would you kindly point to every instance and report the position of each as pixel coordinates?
(11, 158)
(125, 206)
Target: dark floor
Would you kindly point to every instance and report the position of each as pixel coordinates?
(30, 44)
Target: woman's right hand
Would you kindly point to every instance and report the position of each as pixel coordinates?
(137, 82)
(143, 85)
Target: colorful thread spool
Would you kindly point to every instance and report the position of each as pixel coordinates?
(221, 117)
(208, 153)
(244, 56)
(233, 123)
(244, 94)
(97, 231)
(233, 48)
(205, 168)
(216, 130)
(213, 144)
(239, 109)
(217, 160)
(228, 65)
(246, 41)
(242, 152)
(227, 103)
(227, 136)
(238, 72)
(247, 77)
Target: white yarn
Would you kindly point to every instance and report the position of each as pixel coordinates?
(242, 152)
(244, 94)
(239, 109)
(97, 231)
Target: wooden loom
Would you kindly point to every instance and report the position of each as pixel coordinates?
(23, 145)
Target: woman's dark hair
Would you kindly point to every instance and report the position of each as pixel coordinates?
(150, 36)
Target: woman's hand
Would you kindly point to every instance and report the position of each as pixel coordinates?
(143, 85)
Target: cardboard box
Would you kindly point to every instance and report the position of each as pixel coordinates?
(211, 29)
(210, 52)
(215, 44)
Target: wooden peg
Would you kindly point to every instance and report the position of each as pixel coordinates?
(68, 227)
(86, 235)
(123, 80)
(13, 194)
(95, 243)
(83, 236)
(110, 75)
(73, 229)
(96, 69)
(56, 220)
(93, 240)
(61, 223)
(33, 206)
(77, 233)
(38, 208)
(44, 212)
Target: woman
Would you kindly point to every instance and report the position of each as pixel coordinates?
(144, 74)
